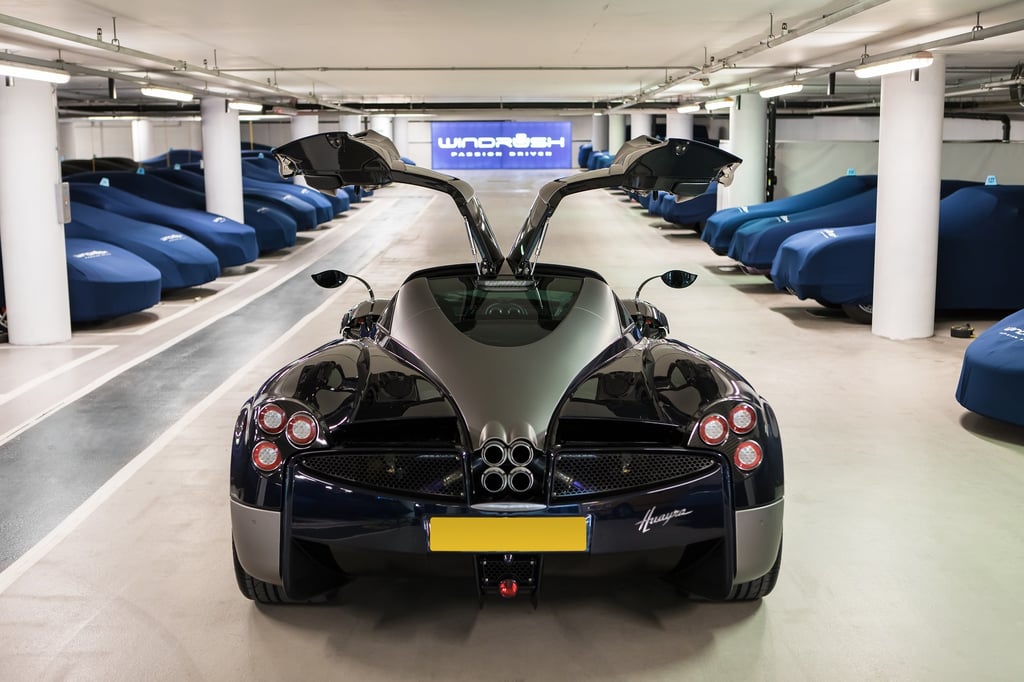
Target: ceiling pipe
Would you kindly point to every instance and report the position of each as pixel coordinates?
(747, 52)
(958, 39)
(179, 67)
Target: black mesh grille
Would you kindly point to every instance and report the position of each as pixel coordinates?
(431, 474)
(591, 473)
(493, 568)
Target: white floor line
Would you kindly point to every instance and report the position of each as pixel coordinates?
(27, 560)
(104, 492)
(184, 309)
(43, 378)
(28, 423)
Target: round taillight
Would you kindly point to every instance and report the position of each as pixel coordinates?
(266, 456)
(508, 588)
(302, 429)
(271, 419)
(742, 418)
(748, 455)
(714, 429)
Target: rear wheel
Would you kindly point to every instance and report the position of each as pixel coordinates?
(760, 587)
(267, 593)
(858, 312)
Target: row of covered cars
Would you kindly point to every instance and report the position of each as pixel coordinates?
(820, 245)
(140, 229)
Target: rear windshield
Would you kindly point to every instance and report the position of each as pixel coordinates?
(506, 317)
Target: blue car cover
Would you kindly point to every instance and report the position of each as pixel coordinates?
(723, 224)
(181, 260)
(233, 243)
(756, 242)
(980, 240)
(993, 371)
(692, 211)
(300, 212)
(273, 232)
(105, 281)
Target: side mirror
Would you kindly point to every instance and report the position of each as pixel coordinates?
(330, 279)
(677, 279)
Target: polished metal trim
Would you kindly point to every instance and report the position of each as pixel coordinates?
(519, 472)
(489, 447)
(520, 461)
(491, 473)
(509, 506)
(758, 534)
(257, 537)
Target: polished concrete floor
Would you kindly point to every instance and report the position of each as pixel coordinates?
(904, 545)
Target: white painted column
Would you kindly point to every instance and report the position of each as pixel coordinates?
(383, 125)
(640, 124)
(66, 140)
(350, 123)
(599, 132)
(222, 161)
(679, 125)
(909, 174)
(142, 140)
(31, 234)
(400, 128)
(616, 132)
(304, 125)
(748, 139)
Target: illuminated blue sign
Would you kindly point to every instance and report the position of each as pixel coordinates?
(501, 144)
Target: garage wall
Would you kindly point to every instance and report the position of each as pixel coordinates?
(803, 165)
(84, 139)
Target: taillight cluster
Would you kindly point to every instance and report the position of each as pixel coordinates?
(300, 430)
(714, 430)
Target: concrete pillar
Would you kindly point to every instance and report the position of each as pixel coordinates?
(350, 123)
(142, 140)
(383, 125)
(907, 227)
(400, 129)
(222, 162)
(616, 132)
(599, 132)
(679, 125)
(305, 125)
(748, 139)
(640, 124)
(31, 232)
(66, 140)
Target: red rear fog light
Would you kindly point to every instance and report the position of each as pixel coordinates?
(508, 588)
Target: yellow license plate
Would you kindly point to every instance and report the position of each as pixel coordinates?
(508, 534)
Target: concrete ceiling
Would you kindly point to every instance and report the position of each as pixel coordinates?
(402, 54)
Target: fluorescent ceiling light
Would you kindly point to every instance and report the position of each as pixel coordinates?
(35, 73)
(784, 89)
(917, 60)
(714, 104)
(688, 108)
(164, 93)
(254, 107)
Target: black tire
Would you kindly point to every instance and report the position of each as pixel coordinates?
(267, 593)
(759, 587)
(858, 312)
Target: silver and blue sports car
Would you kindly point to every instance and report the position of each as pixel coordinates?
(506, 419)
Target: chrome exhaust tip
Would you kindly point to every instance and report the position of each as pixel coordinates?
(493, 480)
(520, 479)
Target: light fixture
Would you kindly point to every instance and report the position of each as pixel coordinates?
(238, 105)
(784, 89)
(917, 60)
(35, 73)
(716, 104)
(165, 93)
(687, 108)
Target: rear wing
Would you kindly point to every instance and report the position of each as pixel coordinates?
(331, 160)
